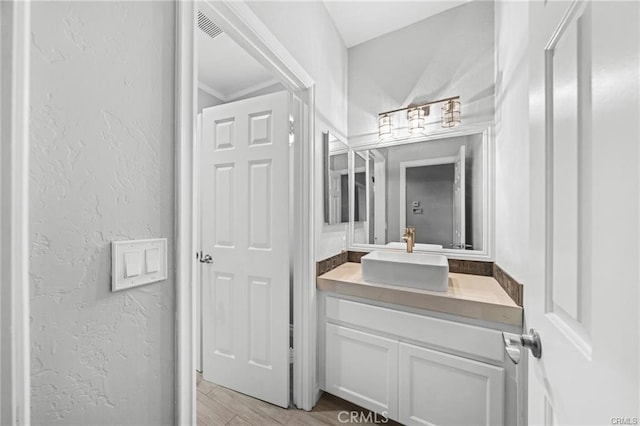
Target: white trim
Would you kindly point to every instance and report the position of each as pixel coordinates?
(403, 181)
(239, 22)
(238, 94)
(186, 95)
(15, 398)
(251, 89)
(245, 28)
(213, 92)
(462, 130)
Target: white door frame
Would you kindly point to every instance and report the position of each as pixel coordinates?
(15, 393)
(404, 165)
(245, 28)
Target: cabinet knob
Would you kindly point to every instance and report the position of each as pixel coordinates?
(513, 343)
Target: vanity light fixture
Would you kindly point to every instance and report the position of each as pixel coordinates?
(451, 113)
(385, 128)
(416, 116)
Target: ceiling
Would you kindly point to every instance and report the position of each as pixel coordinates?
(226, 71)
(360, 21)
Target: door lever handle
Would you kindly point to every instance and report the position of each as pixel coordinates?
(204, 258)
(513, 343)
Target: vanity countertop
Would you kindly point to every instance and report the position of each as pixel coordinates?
(472, 296)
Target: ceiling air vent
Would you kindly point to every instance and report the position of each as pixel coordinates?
(207, 25)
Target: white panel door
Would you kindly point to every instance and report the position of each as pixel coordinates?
(245, 227)
(583, 292)
(441, 389)
(197, 215)
(459, 194)
(362, 368)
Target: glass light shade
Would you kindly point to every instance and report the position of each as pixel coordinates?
(385, 129)
(451, 113)
(416, 118)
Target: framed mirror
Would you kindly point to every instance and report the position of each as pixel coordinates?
(335, 179)
(439, 185)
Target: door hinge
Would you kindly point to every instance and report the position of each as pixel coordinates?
(292, 356)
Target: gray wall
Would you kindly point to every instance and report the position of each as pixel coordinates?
(451, 53)
(432, 187)
(102, 160)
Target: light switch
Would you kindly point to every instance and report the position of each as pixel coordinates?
(131, 264)
(153, 259)
(138, 262)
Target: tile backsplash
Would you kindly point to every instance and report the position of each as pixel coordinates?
(513, 288)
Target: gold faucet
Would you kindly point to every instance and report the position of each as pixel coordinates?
(410, 238)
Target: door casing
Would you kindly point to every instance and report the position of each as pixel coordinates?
(245, 28)
(15, 371)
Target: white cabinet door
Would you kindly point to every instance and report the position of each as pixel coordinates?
(362, 368)
(441, 389)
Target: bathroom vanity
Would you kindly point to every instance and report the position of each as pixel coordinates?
(420, 356)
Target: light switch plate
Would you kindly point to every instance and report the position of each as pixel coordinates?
(138, 262)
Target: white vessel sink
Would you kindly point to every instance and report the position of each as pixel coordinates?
(418, 270)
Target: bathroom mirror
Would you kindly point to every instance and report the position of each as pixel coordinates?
(437, 185)
(335, 179)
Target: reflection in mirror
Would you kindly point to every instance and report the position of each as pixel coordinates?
(336, 179)
(435, 186)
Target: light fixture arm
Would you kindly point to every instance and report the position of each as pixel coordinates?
(420, 106)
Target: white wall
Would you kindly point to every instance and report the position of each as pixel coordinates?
(307, 31)
(205, 99)
(448, 54)
(102, 161)
(512, 138)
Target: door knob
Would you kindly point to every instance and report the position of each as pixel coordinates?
(204, 258)
(513, 343)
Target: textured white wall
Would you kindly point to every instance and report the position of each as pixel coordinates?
(307, 31)
(512, 138)
(102, 164)
(449, 54)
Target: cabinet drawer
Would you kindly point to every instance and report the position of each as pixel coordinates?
(362, 368)
(442, 389)
(477, 342)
